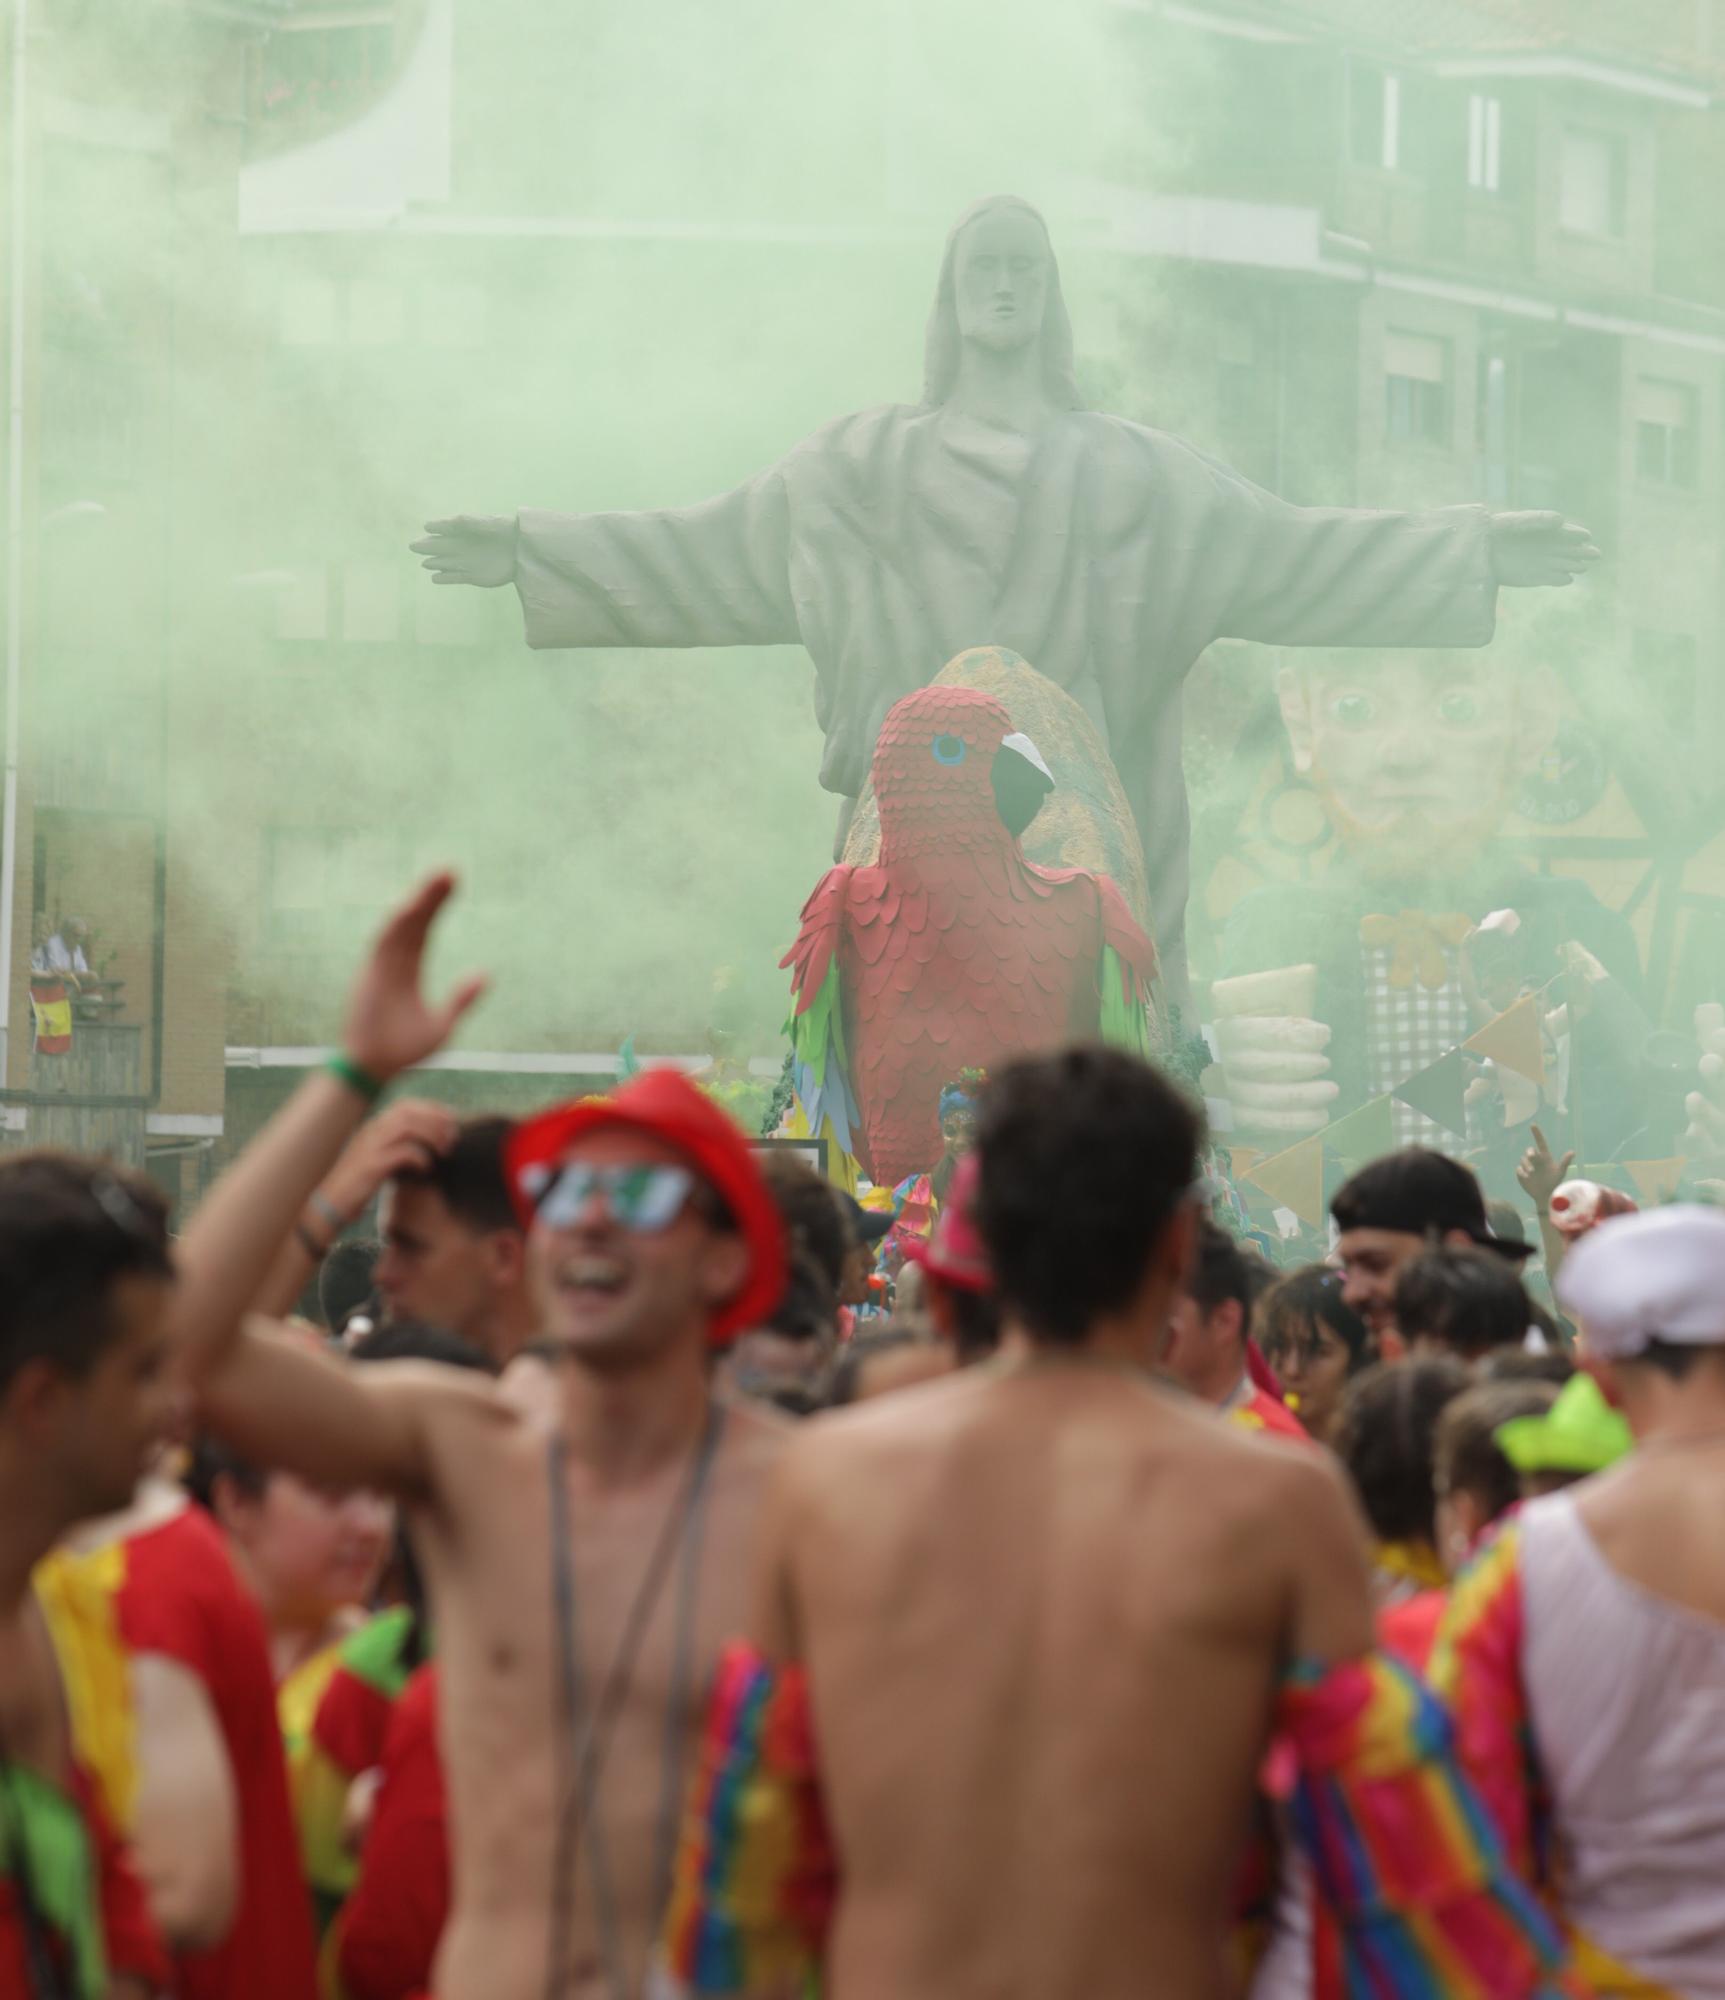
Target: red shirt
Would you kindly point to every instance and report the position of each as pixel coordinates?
(181, 1598)
(393, 1921)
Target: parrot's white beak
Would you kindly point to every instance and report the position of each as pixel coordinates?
(1028, 751)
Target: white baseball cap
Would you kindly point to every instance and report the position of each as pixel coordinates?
(1641, 1278)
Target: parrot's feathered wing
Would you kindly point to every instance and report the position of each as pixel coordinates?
(951, 952)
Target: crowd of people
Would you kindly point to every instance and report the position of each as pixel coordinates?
(600, 1583)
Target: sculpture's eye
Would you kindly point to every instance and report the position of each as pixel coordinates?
(1352, 711)
(948, 749)
(1459, 707)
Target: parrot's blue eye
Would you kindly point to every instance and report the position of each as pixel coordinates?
(948, 749)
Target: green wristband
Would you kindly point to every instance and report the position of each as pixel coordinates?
(345, 1070)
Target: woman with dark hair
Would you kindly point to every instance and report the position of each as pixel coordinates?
(1314, 1341)
(1387, 1439)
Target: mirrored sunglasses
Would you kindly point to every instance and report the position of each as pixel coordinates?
(643, 1199)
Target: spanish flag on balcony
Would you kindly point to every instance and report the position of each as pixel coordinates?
(51, 1012)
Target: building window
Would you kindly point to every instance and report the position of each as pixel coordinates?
(1417, 376)
(310, 312)
(302, 605)
(1667, 432)
(450, 617)
(371, 602)
(1665, 673)
(1485, 143)
(376, 313)
(1593, 196)
(323, 879)
(453, 315)
(1236, 369)
(1374, 116)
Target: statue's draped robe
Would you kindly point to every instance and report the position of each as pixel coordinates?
(1107, 554)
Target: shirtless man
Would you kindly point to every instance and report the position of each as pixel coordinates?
(1584, 1651)
(1037, 1618)
(586, 1550)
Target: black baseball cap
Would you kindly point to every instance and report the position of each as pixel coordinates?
(869, 1224)
(1420, 1193)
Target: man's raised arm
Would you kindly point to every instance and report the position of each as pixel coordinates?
(275, 1398)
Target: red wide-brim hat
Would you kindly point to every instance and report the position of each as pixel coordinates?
(665, 1105)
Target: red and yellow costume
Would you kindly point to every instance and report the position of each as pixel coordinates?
(1260, 1411)
(358, 1687)
(171, 1590)
(389, 1930)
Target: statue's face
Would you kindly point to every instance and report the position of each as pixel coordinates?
(1416, 758)
(1001, 280)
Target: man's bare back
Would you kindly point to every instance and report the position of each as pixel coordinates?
(487, 1543)
(1655, 1521)
(1044, 1607)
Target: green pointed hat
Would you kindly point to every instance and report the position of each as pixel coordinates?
(1580, 1433)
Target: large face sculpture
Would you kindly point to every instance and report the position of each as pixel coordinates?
(1415, 757)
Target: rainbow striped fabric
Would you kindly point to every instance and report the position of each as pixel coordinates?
(756, 1877)
(1419, 1901)
(1476, 1673)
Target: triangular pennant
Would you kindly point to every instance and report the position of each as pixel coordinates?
(1294, 1179)
(1363, 1134)
(1435, 1092)
(1655, 1180)
(1514, 1040)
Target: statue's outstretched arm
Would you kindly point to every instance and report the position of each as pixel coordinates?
(1344, 576)
(715, 574)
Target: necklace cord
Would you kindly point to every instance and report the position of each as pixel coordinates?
(578, 1818)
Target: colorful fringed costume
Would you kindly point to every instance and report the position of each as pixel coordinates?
(756, 1878)
(1589, 1714)
(1415, 1900)
(952, 950)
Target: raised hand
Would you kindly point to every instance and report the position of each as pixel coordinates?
(1539, 1174)
(1534, 549)
(404, 1138)
(390, 1024)
(470, 548)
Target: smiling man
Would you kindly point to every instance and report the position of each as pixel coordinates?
(586, 1547)
(1391, 1213)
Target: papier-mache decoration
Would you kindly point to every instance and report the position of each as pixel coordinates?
(1437, 1092)
(1513, 1039)
(951, 951)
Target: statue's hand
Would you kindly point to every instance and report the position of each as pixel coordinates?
(470, 548)
(1277, 1073)
(1532, 549)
